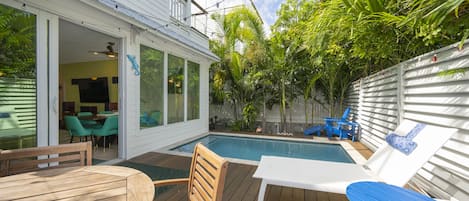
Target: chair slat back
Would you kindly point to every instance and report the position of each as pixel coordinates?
(37, 158)
(207, 175)
(346, 114)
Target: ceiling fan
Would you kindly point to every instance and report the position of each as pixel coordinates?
(109, 53)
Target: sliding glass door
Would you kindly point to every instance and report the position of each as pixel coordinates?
(18, 81)
(26, 101)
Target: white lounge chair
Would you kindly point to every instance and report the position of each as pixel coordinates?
(386, 165)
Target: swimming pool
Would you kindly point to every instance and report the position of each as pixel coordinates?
(249, 148)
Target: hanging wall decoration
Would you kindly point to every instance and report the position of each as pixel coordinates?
(134, 64)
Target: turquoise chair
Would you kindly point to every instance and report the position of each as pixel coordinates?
(150, 120)
(105, 112)
(110, 127)
(156, 117)
(75, 128)
(87, 123)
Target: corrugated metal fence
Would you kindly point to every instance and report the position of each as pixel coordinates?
(434, 89)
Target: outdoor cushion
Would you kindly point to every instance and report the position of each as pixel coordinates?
(378, 191)
(404, 144)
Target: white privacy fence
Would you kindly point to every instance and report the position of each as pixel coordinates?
(434, 89)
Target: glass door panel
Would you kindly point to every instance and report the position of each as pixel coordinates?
(17, 79)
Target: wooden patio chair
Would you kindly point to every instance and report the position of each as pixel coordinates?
(17, 161)
(207, 176)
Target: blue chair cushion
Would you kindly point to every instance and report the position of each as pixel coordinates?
(377, 191)
(404, 143)
(401, 143)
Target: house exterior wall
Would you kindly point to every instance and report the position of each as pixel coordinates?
(132, 140)
(161, 136)
(432, 88)
(159, 11)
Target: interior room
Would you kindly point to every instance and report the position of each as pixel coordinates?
(88, 89)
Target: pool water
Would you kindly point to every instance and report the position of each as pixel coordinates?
(157, 173)
(248, 148)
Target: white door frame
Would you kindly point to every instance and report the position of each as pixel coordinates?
(44, 67)
(47, 76)
(123, 43)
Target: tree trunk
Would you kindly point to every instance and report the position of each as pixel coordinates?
(283, 117)
(263, 114)
(313, 94)
(306, 111)
(331, 99)
(235, 110)
(290, 110)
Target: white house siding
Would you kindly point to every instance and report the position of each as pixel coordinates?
(133, 141)
(198, 37)
(159, 11)
(417, 90)
(157, 137)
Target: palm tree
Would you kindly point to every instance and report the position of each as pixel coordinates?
(240, 49)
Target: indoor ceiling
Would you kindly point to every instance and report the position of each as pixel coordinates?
(77, 44)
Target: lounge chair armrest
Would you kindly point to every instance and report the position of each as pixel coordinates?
(167, 182)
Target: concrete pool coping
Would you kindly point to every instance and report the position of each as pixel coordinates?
(351, 151)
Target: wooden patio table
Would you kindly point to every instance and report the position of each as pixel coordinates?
(100, 182)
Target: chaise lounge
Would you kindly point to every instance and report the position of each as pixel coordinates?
(387, 164)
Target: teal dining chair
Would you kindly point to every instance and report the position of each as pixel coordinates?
(110, 127)
(87, 123)
(156, 117)
(105, 112)
(75, 128)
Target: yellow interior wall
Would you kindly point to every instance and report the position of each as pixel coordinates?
(67, 72)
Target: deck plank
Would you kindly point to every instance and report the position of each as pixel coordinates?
(286, 194)
(253, 190)
(274, 193)
(311, 195)
(240, 192)
(298, 194)
(241, 172)
(239, 184)
(322, 196)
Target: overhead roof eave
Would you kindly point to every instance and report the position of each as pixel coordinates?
(133, 17)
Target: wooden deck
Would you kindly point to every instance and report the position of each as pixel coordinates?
(239, 184)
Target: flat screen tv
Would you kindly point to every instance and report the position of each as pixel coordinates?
(93, 91)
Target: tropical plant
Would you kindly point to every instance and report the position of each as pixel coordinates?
(322, 46)
(17, 43)
(242, 51)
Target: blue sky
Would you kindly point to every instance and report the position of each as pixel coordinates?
(268, 11)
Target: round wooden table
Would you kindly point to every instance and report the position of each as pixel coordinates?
(79, 183)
